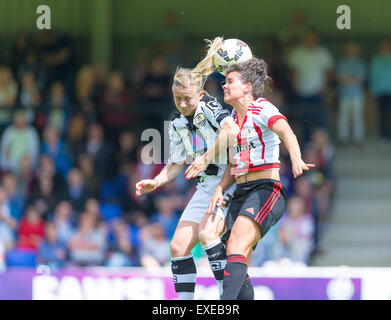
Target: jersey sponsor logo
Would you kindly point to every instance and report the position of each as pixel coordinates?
(240, 148)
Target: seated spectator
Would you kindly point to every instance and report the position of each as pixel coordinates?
(100, 76)
(87, 168)
(176, 194)
(127, 151)
(7, 241)
(76, 135)
(115, 105)
(93, 207)
(77, 192)
(138, 72)
(64, 221)
(31, 64)
(51, 251)
(88, 245)
(31, 230)
(56, 109)
(29, 97)
(181, 185)
(157, 93)
(101, 151)
(44, 196)
(267, 249)
(325, 151)
(19, 140)
(6, 217)
(136, 221)
(142, 169)
(55, 147)
(8, 96)
(26, 176)
(8, 226)
(304, 189)
(154, 251)
(16, 197)
(296, 231)
(121, 252)
(166, 215)
(86, 93)
(322, 187)
(130, 203)
(47, 168)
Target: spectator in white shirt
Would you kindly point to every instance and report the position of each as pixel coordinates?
(18, 141)
(310, 67)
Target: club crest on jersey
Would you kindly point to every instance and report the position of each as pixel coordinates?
(245, 133)
(200, 120)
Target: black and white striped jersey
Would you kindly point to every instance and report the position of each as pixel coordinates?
(193, 136)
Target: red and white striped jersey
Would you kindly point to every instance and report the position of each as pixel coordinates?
(256, 146)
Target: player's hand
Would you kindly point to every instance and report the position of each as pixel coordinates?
(299, 166)
(216, 200)
(145, 186)
(199, 165)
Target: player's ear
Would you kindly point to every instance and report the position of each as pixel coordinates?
(248, 88)
(202, 94)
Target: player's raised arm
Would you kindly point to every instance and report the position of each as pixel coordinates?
(284, 131)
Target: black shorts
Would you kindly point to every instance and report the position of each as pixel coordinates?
(262, 200)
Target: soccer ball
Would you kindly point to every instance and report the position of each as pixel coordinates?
(232, 51)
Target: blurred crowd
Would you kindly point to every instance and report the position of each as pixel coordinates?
(70, 149)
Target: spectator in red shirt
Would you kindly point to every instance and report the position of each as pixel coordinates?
(31, 230)
(115, 105)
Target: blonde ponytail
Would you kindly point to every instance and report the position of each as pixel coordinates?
(206, 66)
(185, 77)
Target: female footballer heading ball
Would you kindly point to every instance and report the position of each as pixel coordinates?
(201, 124)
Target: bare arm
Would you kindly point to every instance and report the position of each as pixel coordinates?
(284, 131)
(168, 173)
(229, 130)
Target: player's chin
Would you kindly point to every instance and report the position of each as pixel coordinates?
(186, 112)
(227, 98)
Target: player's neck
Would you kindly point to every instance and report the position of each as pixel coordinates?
(242, 105)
